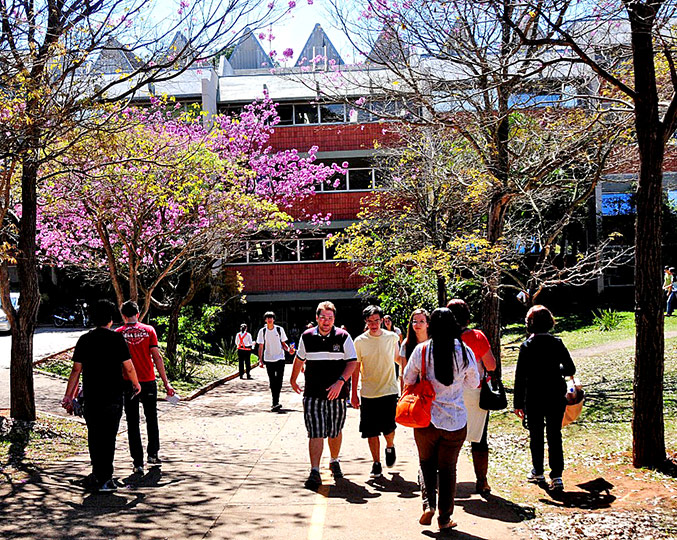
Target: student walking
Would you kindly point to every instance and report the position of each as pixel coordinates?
(376, 350)
(450, 367)
(328, 354)
(244, 343)
(102, 357)
(479, 345)
(272, 342)
(540, 391)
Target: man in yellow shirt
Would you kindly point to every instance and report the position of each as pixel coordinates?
(376, 349)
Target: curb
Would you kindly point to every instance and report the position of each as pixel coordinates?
(190, 397)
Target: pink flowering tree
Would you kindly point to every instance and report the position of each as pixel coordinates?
(155, 207)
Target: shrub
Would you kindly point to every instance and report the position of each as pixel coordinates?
(607, 319)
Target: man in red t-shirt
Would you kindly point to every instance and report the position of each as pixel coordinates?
(143, 348)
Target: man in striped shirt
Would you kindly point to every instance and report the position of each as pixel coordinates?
(329, 356)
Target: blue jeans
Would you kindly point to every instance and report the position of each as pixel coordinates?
(671, 302)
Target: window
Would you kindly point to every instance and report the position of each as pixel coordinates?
(286, 114)
(332, 113)
(617, 204)
(305, 114)
(360, 179)
(261, 251)
(312, 250)
(286, 251)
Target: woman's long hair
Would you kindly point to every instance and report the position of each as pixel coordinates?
(444, 331)
(412, 340)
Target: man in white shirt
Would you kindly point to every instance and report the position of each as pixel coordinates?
(244, 344)
(272, 342)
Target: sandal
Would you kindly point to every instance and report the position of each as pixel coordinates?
(427, 516)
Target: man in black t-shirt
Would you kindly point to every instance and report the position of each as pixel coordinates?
(329, 356)
(101, 355)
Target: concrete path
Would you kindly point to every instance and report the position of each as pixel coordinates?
(232, 469)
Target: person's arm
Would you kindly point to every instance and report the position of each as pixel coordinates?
(355, 398)
(71, 386)
(160, 365)
(260, 354)
(334, 390)
(130, 373)
(568, 367)
(520, 382)
(295, 370)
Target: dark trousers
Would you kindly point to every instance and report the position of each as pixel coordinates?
(671, 302)
(148, 398)
(550, 417)
(244, 361)
(438, 451)
(275, 375)
(103, 421)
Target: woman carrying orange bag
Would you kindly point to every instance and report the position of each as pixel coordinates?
(450, 366)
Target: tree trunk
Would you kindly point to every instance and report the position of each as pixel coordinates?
(441, 291)
(22, 394)
(173, 333)
(648, 439)
(491, 318)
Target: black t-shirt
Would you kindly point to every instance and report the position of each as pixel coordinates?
(326, 358)
(101, 353)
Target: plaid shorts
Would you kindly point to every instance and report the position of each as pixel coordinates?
(324, 418)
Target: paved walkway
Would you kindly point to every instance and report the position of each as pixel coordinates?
(232, 469)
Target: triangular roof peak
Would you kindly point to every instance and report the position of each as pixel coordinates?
(248, 53)
(115, 57)
(318, 44)
(386, 48)
(180, 47)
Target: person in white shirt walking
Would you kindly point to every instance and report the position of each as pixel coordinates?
(244, 343)
(450, 367)
(272, 342)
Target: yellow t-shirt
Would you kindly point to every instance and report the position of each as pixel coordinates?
(376, 356)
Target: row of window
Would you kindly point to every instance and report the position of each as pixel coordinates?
(357, 179)
(287, 251)
(292, 114)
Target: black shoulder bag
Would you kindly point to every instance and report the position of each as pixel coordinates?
(492, 394)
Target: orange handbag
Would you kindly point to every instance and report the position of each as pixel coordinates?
(413, 407)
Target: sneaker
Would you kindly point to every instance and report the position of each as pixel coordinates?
(138, 470)
(335, 468)
(556, 484)
(108, 486)
(154, 460)
(376, 470)
(276, 407)
(535, 477)
(314, 480)
(390, 456)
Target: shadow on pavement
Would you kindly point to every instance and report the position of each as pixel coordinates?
(490, 506)
(396, 484)
(348, 490)
(453, 533)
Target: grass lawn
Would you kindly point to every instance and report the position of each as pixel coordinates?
(23, 451)
(598, 445)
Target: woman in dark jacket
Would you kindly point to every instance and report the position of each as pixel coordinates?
(540, 392)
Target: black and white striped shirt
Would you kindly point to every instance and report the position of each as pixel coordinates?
(326, 358)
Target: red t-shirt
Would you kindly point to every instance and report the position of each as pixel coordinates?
(479, 345)
(141, 338)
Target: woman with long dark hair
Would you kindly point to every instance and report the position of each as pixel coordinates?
(450, 366)
(417, 332)
(478, 419)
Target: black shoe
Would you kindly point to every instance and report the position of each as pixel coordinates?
(314, 480)
(154, 460)
(335, 468)
(376, 470)
(390, 456)
(108, 486)
(249, 377)
(276, 407)
(89, 483)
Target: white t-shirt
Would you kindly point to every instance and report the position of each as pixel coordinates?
(272, 351)
(448, 409)
(244, 339)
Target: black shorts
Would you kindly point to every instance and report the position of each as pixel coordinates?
(377, 415)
